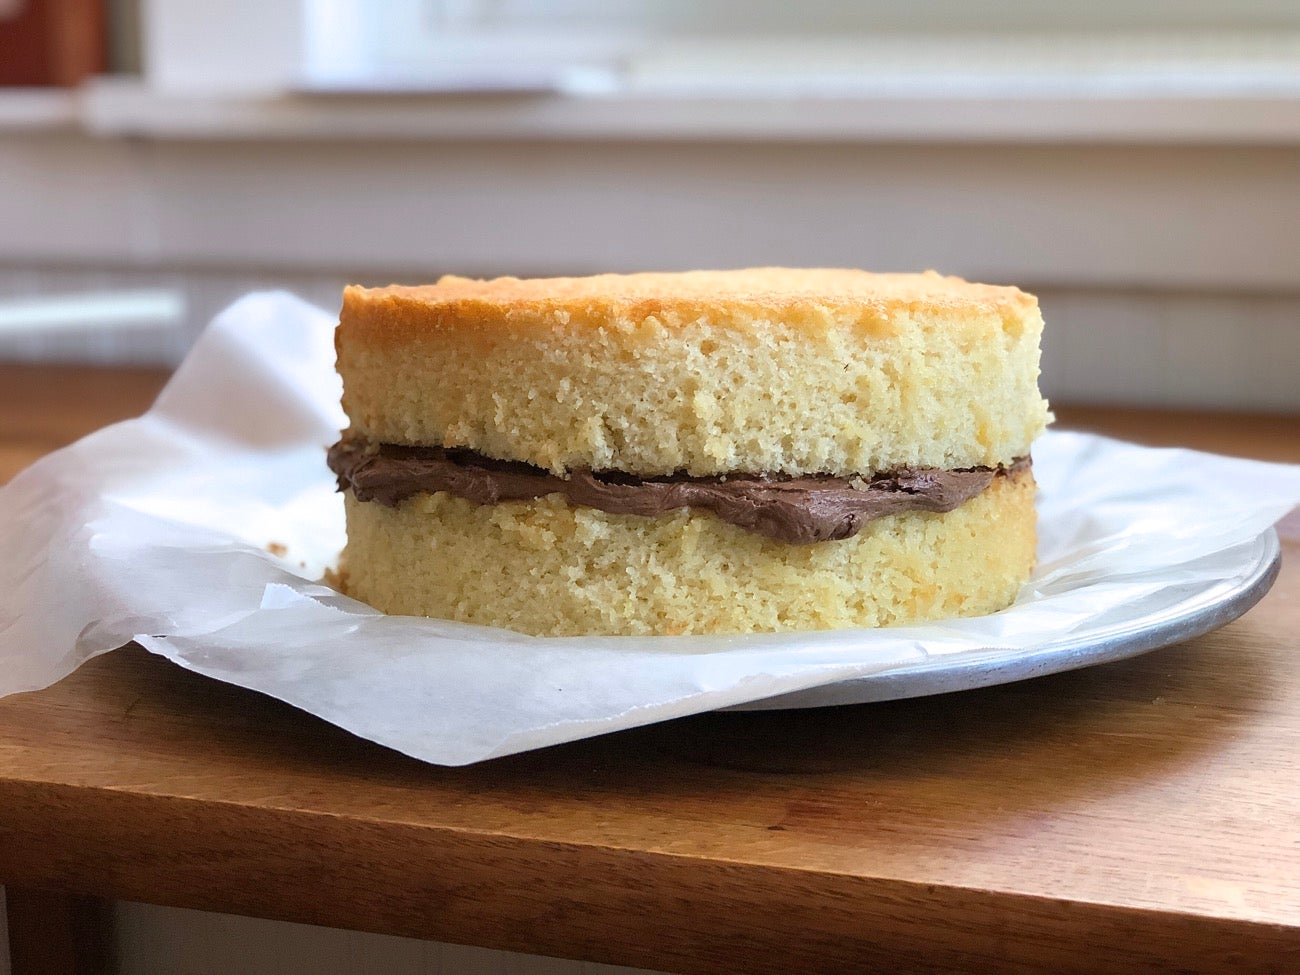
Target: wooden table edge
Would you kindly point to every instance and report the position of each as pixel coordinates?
(663, 910)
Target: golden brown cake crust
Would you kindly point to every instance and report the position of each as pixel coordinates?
(740, 297)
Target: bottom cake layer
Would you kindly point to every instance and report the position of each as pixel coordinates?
(546, 568)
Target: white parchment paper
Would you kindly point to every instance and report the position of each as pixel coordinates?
(157, 530)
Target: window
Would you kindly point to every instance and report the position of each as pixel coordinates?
(762, 47)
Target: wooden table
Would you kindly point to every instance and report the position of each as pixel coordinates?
(1137, 817)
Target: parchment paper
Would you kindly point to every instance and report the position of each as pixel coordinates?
(157, 530)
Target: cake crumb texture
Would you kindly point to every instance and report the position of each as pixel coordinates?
(552, 570)
(767, 370)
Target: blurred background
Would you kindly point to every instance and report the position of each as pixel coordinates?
(1136, 165)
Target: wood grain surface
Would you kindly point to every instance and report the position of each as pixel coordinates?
(1142, 816)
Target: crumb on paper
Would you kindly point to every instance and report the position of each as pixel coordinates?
(336, 579)
(277, 548)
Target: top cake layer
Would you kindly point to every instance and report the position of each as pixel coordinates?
(763, 371)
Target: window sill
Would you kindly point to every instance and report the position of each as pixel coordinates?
(39, 109)
(116, 107)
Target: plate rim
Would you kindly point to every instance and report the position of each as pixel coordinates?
(1120, 641)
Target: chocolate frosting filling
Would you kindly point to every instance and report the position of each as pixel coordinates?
(795, 510)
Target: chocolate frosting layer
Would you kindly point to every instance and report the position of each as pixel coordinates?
(797, 510)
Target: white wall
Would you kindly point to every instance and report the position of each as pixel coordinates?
(1108, 217)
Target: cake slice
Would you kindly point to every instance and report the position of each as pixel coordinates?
(704, 452)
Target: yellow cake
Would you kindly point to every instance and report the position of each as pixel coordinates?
(689, 453)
